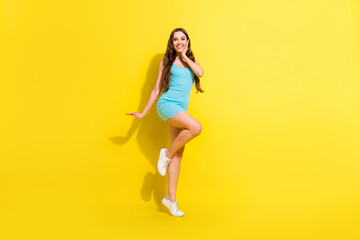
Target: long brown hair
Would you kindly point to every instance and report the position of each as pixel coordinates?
(169, 59)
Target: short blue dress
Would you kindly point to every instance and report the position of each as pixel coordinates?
(177, 98)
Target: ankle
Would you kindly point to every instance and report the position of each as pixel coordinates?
(172, 199)
(167, 154)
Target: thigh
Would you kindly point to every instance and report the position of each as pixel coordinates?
(183, 120)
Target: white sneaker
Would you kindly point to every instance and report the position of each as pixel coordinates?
(173, 207)
(163, 162)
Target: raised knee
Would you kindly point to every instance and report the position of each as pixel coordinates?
(197, 129)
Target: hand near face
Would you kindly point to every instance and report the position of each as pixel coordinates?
(183, 53)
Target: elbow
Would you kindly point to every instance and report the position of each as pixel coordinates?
(201, 74)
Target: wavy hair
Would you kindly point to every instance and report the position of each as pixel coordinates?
(169, 58)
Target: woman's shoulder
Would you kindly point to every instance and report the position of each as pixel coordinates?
(161, 65)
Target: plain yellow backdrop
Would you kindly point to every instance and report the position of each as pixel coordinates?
(279, 154)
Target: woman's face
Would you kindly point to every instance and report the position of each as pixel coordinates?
(179, 41)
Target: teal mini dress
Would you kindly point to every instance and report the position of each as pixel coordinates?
(177, 98)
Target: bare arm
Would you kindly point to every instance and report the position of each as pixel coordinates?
(195, 66)
(153, 96)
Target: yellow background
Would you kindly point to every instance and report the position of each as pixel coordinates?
(279, 154)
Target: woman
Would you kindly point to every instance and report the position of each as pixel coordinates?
(177, 73)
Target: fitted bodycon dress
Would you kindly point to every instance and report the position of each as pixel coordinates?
(177, 98)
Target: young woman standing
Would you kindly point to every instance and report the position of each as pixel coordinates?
(177, 73)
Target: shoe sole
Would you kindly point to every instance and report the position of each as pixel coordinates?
(158, 165)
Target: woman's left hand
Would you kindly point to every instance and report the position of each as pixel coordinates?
(183, 53)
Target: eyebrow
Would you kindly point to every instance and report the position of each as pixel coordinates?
(181, 37)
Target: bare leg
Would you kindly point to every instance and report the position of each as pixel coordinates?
(190, 129)
(174, 166)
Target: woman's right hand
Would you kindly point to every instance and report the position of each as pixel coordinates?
(135, 114)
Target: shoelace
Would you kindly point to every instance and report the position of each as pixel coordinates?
(176, 207)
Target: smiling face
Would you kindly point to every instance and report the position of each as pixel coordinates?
(179, 41)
